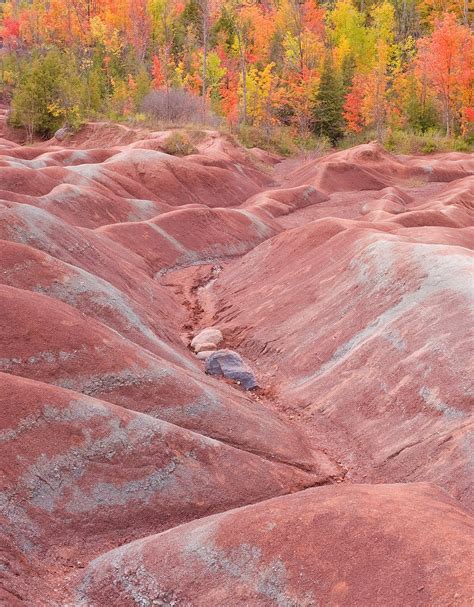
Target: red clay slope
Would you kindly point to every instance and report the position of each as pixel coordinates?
(364, 327)
(324, 546)
(82, 475)
(346, 288)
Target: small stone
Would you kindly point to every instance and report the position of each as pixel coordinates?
(229, 364)
(62, 133)
(205, 354)
(211, 335)
(205, 347)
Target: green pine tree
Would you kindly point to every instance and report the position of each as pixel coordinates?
(47, 95)
(348, 68)
(328, 104)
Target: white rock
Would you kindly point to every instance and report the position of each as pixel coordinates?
(209, 335)
(205, 347)
(204, 355)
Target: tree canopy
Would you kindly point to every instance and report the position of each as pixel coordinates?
(339, 67)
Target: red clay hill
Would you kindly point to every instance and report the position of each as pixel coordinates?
(343, 284)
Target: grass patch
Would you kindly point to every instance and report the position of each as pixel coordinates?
(406, 142)
(179, 143)
(281, 140)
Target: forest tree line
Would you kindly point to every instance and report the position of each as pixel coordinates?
(335, 69)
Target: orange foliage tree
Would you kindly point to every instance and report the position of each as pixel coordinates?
(446, 60)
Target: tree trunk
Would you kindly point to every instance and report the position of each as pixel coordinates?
(243, 69)
(205, 28)
(465, 12)
(244, 92)
(167, 85)
(448, 120)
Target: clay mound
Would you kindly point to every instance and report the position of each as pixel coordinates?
(460, 237)
(167, 241)
(392, 200)
(339, 176)
(445, 216)
(389, 372)
(446, 167)
(25, 152)
(47, 340)
(383, 205)
(80, 447)
(346, 288)
(370, 167)
(77, 467)
(183, 180)
(27, 268)
(365, 167)
(458, 193)
(22, 180)
(86, 207)
(348, 545)
(283, 201)
(7, 145)
(42, 157)
(372, 156)
(396, 194)
(452, 206)
(100, 256)
(127, 183)
(213, 148)
(107, 133)
(268, 158)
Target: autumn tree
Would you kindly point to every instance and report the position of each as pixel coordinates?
(138, 27)
(353, 110)
(445, 59)
(236, 22)
(382, 36)
(163, 15)
(349, 34)
(259, 63)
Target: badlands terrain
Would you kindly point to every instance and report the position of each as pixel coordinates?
(130, 477)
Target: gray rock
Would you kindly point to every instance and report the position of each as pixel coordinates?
(227, 363)
(62, 133)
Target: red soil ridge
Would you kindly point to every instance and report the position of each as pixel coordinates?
(132, 478)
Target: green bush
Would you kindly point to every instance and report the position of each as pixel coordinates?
(281, 140)
(464, 144)
(352, 139)
(308, 142)
(277, 140)
(47, 95)
(408, 142)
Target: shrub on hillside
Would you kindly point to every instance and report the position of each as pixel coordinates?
(282, 140)
(175, 106)
(406, 142)
(179, 144)
(46, 96)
